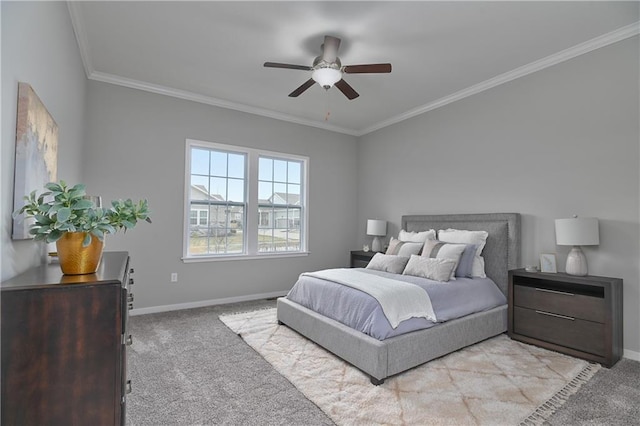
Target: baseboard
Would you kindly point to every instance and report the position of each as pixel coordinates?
(203, 303)
(631, 355)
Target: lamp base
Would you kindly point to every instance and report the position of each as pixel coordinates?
(576, 262)
(376, 245)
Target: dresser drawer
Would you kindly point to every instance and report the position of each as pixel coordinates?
(591, 308)
(586, 336)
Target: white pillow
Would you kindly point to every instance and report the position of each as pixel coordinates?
(417, 237)
(388, 263)
(436, 249)
(403, 248)
(468, 237)
(433, 269)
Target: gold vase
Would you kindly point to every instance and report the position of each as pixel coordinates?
(76, 259)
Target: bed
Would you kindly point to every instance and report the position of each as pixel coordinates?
(384, 358)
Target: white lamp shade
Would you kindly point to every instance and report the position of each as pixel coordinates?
(577, 231)
(377, 227)
(326, 77)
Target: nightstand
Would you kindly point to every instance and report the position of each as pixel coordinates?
(360, 259)
(578, 316)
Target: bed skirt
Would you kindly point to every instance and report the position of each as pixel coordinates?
(381, 359)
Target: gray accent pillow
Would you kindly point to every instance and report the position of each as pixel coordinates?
(403, 248)
(431, 268)
(439, 250)
(388, 263)
(465, 266)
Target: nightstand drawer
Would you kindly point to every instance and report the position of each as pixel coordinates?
(567, 331)
(360, 259)
(591, 308)
(359, 263)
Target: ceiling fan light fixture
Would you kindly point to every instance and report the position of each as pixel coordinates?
(326, 77)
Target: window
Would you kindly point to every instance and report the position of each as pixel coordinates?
(243, 202)
(279, 204)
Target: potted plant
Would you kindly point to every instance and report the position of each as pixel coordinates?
(68, 217)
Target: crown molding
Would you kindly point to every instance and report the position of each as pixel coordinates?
(551, 60)
(92, 74)
(620, 34)
(209, 100)
(81, 36)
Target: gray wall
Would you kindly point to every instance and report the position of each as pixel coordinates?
(559, 142)
(136, 149)
(39, 48)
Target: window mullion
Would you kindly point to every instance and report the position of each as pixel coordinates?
(251, 216)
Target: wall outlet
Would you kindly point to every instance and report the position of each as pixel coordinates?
(174, 277)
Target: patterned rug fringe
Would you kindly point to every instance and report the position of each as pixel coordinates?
(544, 411)
(229, 314)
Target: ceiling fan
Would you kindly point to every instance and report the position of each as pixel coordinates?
(328, 70)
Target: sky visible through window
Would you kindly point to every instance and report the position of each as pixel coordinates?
(223, 173)
(220, 173)
(278, 177)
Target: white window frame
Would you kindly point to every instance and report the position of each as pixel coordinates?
(251, 216)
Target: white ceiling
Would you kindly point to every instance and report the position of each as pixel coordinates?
(212, 52)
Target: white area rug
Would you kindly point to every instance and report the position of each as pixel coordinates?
(495, 382)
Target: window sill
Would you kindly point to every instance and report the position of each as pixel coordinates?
(197, 259)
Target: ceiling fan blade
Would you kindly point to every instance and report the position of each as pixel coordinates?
(302, 88)
(330, 48)
(348, 91)
(287, 66)
(367, 68)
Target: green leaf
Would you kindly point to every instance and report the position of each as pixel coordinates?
(64, 214)
(52, 186)
(55, 235)
(83, 204)
(87, 240)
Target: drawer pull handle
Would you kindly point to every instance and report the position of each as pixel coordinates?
(555, 292)
(555, 315)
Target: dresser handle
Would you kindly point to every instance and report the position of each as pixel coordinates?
(130, 306)
(128, 387)
(131, 282)
(555, 315)
(555, 292)
(130, 297)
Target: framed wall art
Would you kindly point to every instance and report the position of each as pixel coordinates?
(36, 153)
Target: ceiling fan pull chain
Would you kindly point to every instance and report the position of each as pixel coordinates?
(328, 109)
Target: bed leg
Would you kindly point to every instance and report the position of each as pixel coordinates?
(376, 382)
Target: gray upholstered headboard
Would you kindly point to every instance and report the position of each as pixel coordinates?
(502, 251)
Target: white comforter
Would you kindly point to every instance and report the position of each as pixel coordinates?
(399, 300)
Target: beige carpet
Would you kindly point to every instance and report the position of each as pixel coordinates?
(495, 382)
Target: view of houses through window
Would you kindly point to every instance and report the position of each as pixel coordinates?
(219, 198)
(279, 204)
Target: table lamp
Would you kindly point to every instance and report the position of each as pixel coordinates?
(377, 228)
(577, 232)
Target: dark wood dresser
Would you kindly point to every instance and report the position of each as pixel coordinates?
(578, 316)
(64, 340)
